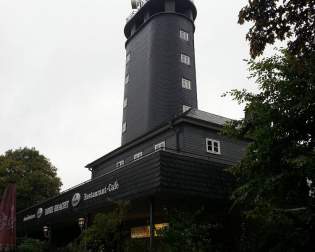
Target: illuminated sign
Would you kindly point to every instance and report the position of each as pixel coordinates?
(144, 231)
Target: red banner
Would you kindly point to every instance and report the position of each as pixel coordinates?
(8, 219)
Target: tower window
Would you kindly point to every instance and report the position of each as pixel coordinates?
(128, 57)
(186, 108)
(184, 35)
(186, 83)
(120, 163)
(213, 146)
(137, 156)
(125, 102)
(127, 79)
(124, 127)
(159, 146)
(185, 59)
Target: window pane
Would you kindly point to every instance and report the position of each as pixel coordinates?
(209, 146)
(184, 35)
(186, 83)
(137, 156)
(120, 163)
(185, 59)
(125, 102)
(124, 127)
(127, 79)
(186, 108)
(213, 146)
(160, 146)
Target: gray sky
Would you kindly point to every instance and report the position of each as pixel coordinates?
(62, 74)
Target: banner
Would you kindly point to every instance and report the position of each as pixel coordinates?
(8, 219)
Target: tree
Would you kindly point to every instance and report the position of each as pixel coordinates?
(35, 177)
(275, 190)
(274, 179)
(291, 20)
(32, 245)
(107, 233)
(198, 230)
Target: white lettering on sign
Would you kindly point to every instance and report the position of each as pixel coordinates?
(109, 188)
(29, 217)
(57, 208)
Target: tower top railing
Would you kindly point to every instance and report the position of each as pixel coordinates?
(140, 5)
(134, 12)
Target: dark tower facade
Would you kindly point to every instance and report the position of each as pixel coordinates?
(160, 80)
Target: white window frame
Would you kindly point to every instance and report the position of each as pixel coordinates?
(185, 59)
(127, 79)
(124, 127)
(120, 163)
(159, 146)
(125, 102)
(186, 108)
(186, 84)
(212, 142)
(184, 35)
(137, 155)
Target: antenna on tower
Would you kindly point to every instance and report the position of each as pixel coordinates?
(136, 4)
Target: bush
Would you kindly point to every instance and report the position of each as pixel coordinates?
(32, 245)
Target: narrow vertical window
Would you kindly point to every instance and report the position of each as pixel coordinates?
(213, 146)
(186, 84)
(128, 57)
(126, 79)
(124, 127)
(186, 108)
(125, 103)
(185, 59)
(184, 35)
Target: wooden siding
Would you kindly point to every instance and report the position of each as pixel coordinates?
(146, 147)
(161, 173)
(193, 140)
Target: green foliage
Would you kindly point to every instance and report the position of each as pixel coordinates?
(273, 190)
(193, 232)
(32, 245)
(107, 233)
(75, 246)
(271, 20)
(36, 178)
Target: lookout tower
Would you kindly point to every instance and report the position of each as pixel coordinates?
(172, 155)
(160, 78)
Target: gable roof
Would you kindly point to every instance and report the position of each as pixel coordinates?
(207, 117)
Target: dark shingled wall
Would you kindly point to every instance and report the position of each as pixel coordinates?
(154, 91)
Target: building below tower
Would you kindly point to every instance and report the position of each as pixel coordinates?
(178, 165)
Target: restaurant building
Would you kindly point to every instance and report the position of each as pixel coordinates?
(172, 155)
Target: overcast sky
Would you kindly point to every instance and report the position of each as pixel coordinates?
(62, 74)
